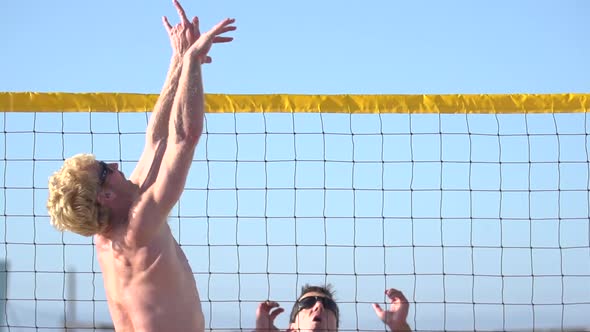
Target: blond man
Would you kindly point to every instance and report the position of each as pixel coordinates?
(148, 281)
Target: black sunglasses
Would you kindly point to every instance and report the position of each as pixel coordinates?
(104, 171)
(309, 301)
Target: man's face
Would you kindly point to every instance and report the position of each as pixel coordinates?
(114, 188)
(109, 175)
(316, 314)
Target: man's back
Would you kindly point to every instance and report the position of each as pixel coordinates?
(151, 287)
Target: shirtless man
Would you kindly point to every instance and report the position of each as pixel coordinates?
(149, 283)
(316, 310)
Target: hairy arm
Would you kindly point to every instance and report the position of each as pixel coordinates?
(158, 126)
(185, 128)
(168, 172)
(186, 122)
(182, 36)
(157, 129)
(171, 166)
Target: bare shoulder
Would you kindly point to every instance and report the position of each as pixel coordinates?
(145, 222)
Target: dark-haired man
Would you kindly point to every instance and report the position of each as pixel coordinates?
(316, 310)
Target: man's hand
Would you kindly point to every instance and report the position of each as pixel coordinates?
(184, 34)
(203, 44)
(396, 316)
(265, 316)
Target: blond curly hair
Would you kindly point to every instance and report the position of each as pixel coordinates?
(72, 202)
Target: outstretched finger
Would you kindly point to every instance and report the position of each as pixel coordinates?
(166, 24)
(391, 293)
(222, 39)
(226, 23)
(224, 29)
(196, 26)
(265, 306)
(181, 12)
(270, 304)
(394, 294)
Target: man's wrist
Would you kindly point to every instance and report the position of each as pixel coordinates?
(399, 326)
(191, 59)
(176, 59)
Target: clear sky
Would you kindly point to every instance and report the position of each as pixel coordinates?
(306, 46)
(323, 47)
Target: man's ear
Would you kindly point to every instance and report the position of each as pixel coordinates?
(105, 197)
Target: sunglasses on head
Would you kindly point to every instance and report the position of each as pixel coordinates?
(309, 301)
(104, 171)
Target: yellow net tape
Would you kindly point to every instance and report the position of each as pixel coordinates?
(287, 103)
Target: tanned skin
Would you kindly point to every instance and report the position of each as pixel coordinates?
(149, 283)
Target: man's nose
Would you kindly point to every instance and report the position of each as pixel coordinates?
(318, 306)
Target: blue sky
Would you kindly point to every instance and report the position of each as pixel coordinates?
(327, 47)
(308, 47)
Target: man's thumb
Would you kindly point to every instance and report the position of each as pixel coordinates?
(378, 309)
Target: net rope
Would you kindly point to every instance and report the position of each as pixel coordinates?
(482, 220)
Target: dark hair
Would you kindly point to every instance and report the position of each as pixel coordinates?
(307, 288)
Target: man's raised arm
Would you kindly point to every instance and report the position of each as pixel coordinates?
(186, 119)
(157, 130)
(184, 130)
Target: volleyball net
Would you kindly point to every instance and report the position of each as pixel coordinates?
(475, 206)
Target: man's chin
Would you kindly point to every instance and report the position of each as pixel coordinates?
(318, 327)
(313, 327)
